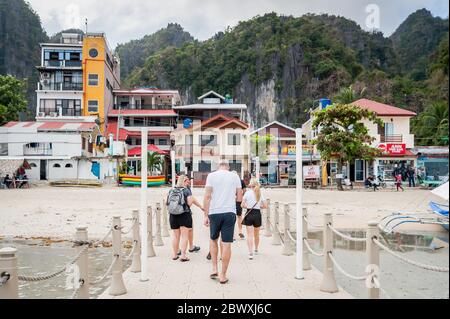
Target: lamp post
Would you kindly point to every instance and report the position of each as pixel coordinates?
(299, 206)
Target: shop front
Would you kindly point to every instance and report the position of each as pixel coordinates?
(395, 158)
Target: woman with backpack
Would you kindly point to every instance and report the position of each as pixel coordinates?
(253, 201)
(179, 202)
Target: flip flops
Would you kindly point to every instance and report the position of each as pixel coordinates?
(183, 260)
(224, 282)
(176, 258)
(214, 276)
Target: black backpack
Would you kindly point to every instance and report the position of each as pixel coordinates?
(175, 202)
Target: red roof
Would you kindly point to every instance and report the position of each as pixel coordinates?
(137, 151)
(112, 129)
(143, 112)
(124, 134)
(51, 125)
(383, 109)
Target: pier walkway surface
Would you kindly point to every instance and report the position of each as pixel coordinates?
(269, 276)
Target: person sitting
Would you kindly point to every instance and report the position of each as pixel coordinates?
(7, 181)
(368, 182)
(348, 182)
(24, 181)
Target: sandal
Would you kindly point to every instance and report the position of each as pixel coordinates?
(214, 276)
(183, 260)
(224, 282)
(195, 249)
(176, 258)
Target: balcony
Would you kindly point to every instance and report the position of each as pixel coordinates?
(38, 149)
(142, 107)
(62, 64)
(60, 86)
(395, 138)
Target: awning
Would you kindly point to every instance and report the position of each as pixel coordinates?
(151, 148)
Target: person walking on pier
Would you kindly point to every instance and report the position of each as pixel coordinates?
(223, 190)
(253, 201)
(180, 200)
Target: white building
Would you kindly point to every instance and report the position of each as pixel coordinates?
(394, 139)
(59, 150)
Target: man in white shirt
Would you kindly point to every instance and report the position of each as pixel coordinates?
(223, 189)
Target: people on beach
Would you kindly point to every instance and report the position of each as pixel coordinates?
(180, 201)
(239, 209)
(7, 181)
(253, 202)
(399, 182)
(223, 190)
(411, 176)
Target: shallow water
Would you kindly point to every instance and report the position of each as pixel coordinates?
(35, 258)
(398, 280)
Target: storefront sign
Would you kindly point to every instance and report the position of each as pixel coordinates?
(393, 149)
(311, 172)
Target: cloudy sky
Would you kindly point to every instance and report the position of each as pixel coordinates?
(132, 19)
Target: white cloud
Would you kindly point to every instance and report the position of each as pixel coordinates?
(132, 19)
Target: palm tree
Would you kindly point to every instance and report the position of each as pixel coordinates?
(348, 95)
(432, 126)
(154, 162)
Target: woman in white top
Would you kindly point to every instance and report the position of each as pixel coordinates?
(253, 201)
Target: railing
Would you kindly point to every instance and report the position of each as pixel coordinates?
(60, 86)
(286, 238)
(142, 107)
(64, 63)
(391, 138)
(43, 150)
(9, 276)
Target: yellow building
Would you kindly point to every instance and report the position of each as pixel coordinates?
(101, 75)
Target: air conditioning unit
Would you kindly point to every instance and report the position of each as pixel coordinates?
(45, 82)
(46, 75)
(54, 114)
(41, 114)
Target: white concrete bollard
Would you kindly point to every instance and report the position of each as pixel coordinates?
(9, 282)
(83, 263)
(158, 237)
(150, 249)
(165, 220)
(306, 261)
(136, 262)
(117, 287)
(329, 281)
(268, 227)
(373, 260)
(287, 247)
(276, 239)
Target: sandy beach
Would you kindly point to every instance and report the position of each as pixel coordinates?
(55, 212)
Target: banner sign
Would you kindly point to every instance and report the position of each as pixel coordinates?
(311, 172)
(393, 149)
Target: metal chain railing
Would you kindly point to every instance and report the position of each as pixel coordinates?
(409, 261)
(358, 278)
(308, 246)
(56, 273)
(337, 232)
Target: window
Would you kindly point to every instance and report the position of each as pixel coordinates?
(3, 149)
(204, 166)
(69, 166)
(71, 107)
(93, 79)
(359, 170)
(162, 141)
(48, 107)
(208, 140)
(389, 129)
(151, 141)
(56, 166)
(236, 166)
(234, 139)
(93, 106)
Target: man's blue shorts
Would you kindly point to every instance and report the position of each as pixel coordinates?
(222, 225)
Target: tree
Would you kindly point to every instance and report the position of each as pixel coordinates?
(261, 145)
(348, 95)
(431, 127)
(12, 98)
(154, 162)
(343, 135)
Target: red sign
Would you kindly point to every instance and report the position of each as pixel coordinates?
(393, 149)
